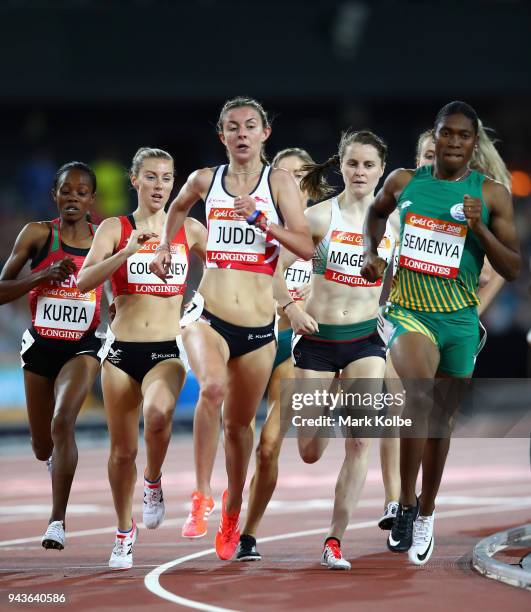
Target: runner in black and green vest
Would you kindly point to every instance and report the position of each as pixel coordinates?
(451, 218)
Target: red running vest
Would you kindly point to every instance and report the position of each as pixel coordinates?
(134, 277)
(59, 311)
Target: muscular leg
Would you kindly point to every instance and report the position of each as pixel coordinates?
(248, 377)
(415, 357)
(349, 484)
(40, 401)
(353, 472)
(160, 388)
(390, 447)
(311, 448)
(122, 398)
(433, 462)
(72, 385)
(436, 449)
(265, 477)
(208, 354)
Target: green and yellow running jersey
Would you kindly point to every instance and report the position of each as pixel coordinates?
(440, 258)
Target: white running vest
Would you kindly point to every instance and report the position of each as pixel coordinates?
(232, 243)
(345, 251)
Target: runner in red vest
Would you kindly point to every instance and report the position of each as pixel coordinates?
(143, 358)
(59, 351)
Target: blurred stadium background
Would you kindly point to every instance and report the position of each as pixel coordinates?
(94, 80)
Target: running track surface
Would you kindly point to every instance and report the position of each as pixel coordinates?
(485, 489)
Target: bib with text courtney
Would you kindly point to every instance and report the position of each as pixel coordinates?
(432, 246)
(141, 280)
(345, 258)
(64, 312)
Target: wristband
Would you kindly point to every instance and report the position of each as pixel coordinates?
(251, 219)
(286, 305)
(163, 247)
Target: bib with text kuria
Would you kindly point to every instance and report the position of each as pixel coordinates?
(59, 311)
(440, 259)
(134, 277)
(232, 243)
(339, 255)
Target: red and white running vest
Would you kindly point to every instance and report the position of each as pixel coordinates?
(232, 243)
(133, 276)
(59, 311)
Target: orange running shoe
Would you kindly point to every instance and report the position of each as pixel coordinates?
(196, 523)
(228, 534)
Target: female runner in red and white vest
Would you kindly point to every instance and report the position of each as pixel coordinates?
(229, 327)
(142, 356)
(59, 351)
(338, 326)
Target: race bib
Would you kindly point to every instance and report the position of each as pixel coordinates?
(144, 281)
(345, 258)
(64, 312)
(231, 239)
(432, 246)
(297, 275)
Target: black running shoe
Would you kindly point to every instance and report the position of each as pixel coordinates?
(247, 549)
(401, 536)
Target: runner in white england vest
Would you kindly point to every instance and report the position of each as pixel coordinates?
(143, 357)
(337, 330)
(229, 327)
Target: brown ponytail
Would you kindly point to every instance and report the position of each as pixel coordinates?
(314, 183)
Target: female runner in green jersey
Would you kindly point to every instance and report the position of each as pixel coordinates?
(451, 218)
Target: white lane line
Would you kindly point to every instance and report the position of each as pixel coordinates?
(40, 508)
(152, 583)
(67, 568)
(288, 507)
(19, 514)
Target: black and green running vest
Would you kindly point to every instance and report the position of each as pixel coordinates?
(440, 258)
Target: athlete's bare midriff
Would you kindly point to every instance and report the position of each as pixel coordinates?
(335, 304)
(147, 318)
(238, 297)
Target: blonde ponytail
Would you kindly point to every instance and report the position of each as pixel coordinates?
(487, 160)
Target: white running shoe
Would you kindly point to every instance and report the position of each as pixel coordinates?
(122, 553)
(389, 515)
(54, 536)
(422, 546)
(332, 557)
(153, 512)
